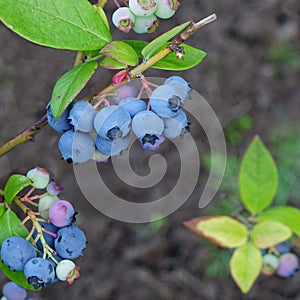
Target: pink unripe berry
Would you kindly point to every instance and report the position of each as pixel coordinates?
(61, 213)
(166, 8)
(288, 265)
(145, 24)
(270, 264)
(123, 19)
(127, 90)
(39, 176)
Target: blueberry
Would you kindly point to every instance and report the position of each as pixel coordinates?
(61, 213)
(166, 8)
(45, 203)
(112, 147)
(181, 86)
(153, 147)
(142, 8)
(288, 265)
(16, 251)
(12, 291)
(145, 24)
(123, 19)
(283, 248)
(39, 272)
(82, 116)
(165, 101)
(70, 242)
(127, 90)
(60, 124)
(133, 105)
(112, 122)
(54, 188)
(66, 270)
(147, 126)
(270, 264)
(39, 176)
(176, 126)
(76, 147)
(48, 237)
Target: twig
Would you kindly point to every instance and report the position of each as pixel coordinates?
(28, 134)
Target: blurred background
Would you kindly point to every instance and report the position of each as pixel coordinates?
(251, 79)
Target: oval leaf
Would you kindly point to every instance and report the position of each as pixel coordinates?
(111, 64)
(154, 46)
(138, 46)
(270, 233)
(63, 24)
(245, 266)
(121, 52)
(258, 177)
(14, 185)
(287, 215)
(191, 58)
(9, 224)
(2, 209)
(69, 85)
(222, 231)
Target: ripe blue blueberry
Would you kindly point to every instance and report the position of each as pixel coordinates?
(166, 8)
(82, 116)
(12, 291)
(182, 87)
(45, 203)
(16, 251)
(112, 147)
(142, 8)
(145, 24)
(112, 122)
(127, 90)
(76, 147)
(288, 265)
(70, 242)
(133, 105)
(270, 264)
(60, 124)
(48, 237)
(147, 126)
(165, 101)
(39, 176)
(123, 19)
(283, 247)
(155, 146)
(176, 126)
(61, 213)
(39, 272)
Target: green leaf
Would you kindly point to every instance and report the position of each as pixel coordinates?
(62, 24)
(258, 177)
(287, 215)
(69, 85)
(14, 185)
(222, 231)
(121, 52)
(269, 233)
(111, 64)
(9, 224)
(192, 58)
(138, 46)
(2, 210)
(245, 266)
(157, 44)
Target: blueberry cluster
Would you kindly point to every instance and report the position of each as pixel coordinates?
(280, 261)
(91, 134)
(56, 240)
(141, 15)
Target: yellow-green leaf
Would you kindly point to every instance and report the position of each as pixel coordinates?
(258, 177)
(287, 215)
(245, 266)
(222, 231)
(269, 233)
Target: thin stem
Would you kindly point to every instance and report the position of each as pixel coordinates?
(78, 58)
(28, 134)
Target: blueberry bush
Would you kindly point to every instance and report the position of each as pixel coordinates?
(40, 242)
